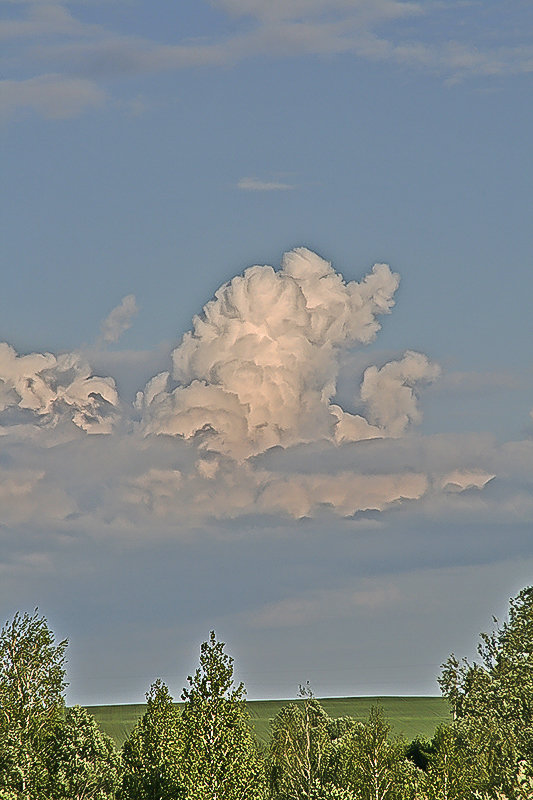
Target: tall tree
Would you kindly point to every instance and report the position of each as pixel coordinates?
(151, 755)
(220, 758)
(299, 748)
(493, 699)
(32, 681)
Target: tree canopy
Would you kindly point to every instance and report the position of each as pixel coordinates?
(207, 750)
(220, 756)
(32, 681)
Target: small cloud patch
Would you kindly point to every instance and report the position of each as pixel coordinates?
(257, 185)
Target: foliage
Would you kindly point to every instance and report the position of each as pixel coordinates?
(208, 751)
(152, 753)
(492, 701)
(502, 685)
(83, 763)
(369, 762)
(522, 786)
(328, 791)
(220, 759)
(32, 681)
(299, 748)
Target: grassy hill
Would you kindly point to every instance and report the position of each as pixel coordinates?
(409, 716)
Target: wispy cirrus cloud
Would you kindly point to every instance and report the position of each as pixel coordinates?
(52, 41)
(42, 20)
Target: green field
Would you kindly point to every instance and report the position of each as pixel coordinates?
(409, 716)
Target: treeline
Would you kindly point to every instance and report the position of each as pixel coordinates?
(206, 750)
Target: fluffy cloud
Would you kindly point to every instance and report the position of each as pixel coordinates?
(259, 367)
(44, 390)
(246, 421)
(390, 392)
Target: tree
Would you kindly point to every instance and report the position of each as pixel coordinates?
(452, 768)
(522, 788)
(493, 699)
(328, 791)
(299, 748)
(32, 681)
(82, 762)
(151, 755)
(371, 763)
(220, 759)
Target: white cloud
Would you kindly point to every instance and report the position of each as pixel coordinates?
(246, 424)
(344, 494)
(257, 185)
(259, 367)
(296, 9)
(44, 390)
(459, 480)
(44, 19)
(119, 319)
(70, 58)
(53, 96)
(390, 392)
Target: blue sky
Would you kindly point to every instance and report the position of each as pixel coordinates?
(318, 496)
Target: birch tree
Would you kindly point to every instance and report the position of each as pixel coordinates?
(32, 682)
(151, 755)
(299, 748)
(220, 759)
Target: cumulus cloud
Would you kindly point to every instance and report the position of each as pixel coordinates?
(119, 319)
(44, 390)
(259, 367)
(390, 392)
(246, 421)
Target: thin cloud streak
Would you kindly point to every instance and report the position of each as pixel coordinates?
(52, 96)
(257, 185)
(72, 54)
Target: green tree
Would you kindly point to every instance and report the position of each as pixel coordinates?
(151, 755)
(493, 700)
(299, 749)
(32, 681)
(450, 767)
(522, 788)
(371, 764)
(328, 791)
(220, 758)
(501, 685)
(82, 762)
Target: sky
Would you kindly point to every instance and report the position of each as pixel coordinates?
(265, 335)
